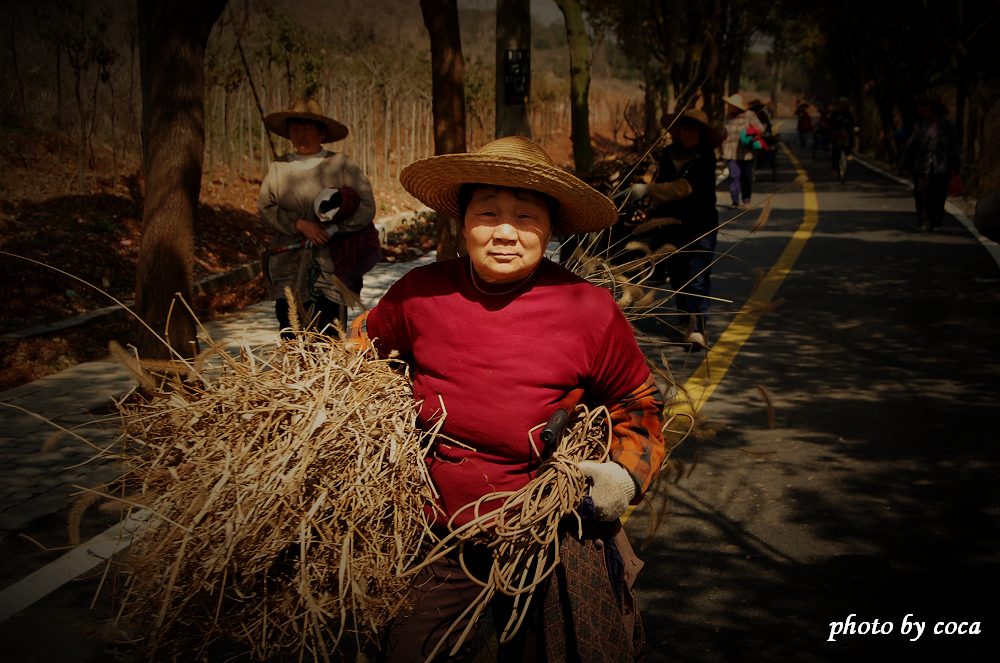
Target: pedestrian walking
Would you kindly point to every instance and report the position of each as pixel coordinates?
(931, 157)
(321, 207)
(684, 190)
(737, 148)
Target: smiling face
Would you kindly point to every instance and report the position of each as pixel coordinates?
(506, 232)
(306, 136)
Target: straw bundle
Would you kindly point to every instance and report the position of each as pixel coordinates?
(287, 491)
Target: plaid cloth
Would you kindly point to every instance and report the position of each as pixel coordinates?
(589, 613)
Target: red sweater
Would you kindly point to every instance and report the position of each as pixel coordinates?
(500, 364)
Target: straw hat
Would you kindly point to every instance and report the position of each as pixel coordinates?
(306, 109)
(736, 100)
(514, 162)
(672, 123)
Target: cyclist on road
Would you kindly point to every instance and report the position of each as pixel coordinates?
(841, 124)
(804, 123)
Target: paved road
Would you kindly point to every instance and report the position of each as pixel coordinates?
(873, 493)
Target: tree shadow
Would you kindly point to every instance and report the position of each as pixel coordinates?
(875, 493)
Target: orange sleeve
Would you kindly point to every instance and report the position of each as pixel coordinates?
(637, 435)
(357, 337)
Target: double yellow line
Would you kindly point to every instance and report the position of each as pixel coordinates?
(708, 375)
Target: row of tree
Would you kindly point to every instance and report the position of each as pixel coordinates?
(685, 53)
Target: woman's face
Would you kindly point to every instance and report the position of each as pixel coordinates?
(689, 136)
(506, 232)
(305, 136)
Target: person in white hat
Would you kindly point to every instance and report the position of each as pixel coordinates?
(497, 340)
(735, 152)
(321, 207)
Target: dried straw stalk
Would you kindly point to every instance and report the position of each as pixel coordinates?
(287, 489)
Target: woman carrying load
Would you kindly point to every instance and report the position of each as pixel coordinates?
(496, 341)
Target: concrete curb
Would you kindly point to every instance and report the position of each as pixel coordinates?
(207, 285)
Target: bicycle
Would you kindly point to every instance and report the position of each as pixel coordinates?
(820, 139)
(841, 148)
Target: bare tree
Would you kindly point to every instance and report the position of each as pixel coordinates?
(579, 83)
(448, 95)
(513, 63)
(172, 39)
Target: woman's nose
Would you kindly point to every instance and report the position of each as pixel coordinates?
(505, 230)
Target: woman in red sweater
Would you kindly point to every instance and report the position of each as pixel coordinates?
(500, 337)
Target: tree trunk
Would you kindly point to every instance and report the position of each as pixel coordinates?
(513, 68)
(17, 69)
(172, 39)
(651, 123)
(579, 84)
(59, 91)
(735, 71)
(448, 102)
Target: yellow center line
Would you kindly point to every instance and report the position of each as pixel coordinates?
(699, 387)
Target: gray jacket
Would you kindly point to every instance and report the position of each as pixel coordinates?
(286, 195)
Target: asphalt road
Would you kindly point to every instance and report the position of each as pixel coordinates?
(874, 492)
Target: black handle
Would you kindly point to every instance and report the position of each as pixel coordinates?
(555, 426)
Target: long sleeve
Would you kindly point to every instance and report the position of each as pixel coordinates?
(637, 435)
(281, 220)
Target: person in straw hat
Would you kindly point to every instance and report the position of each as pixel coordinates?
(684, 192)
(497, 339)
(738, 155)
(321, 207)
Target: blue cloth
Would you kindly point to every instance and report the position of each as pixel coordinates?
(740, 180)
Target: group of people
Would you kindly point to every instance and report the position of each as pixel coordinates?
(931, 153)
(505, 321)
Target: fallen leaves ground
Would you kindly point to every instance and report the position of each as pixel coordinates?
(93, 239)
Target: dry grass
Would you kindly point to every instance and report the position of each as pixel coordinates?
(286, 489)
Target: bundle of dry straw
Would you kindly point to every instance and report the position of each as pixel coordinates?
(286, 489)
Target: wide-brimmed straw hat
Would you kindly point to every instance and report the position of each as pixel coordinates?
(306, 109)
(736, 100)
(514, 162)
(672, 123)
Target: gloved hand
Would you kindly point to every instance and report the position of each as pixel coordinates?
(611, 488)
(666, 192)
(638, 191)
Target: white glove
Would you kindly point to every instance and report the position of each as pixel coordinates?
(611, 488)
(638, 190)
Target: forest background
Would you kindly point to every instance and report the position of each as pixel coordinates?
(71, 186)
